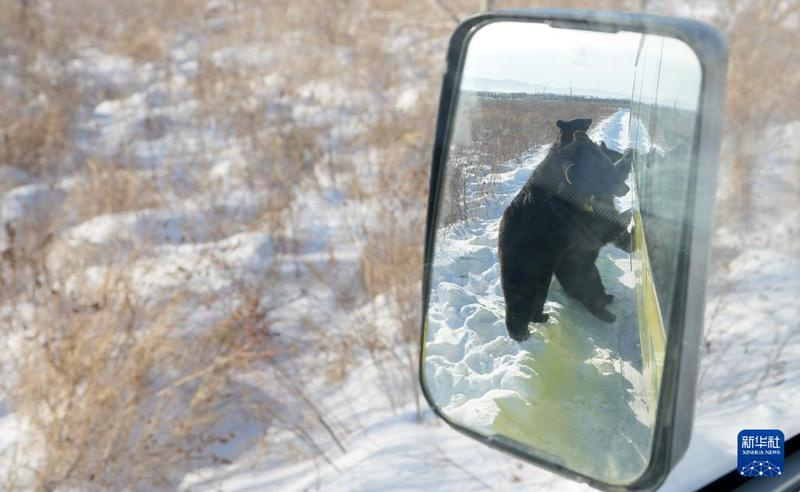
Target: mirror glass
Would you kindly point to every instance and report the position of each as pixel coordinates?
(558, 236)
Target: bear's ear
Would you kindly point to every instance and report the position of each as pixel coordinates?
(588, 122)
(566, 170)
(603, 145)
(560, 124)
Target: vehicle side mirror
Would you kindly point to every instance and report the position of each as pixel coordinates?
(568, 234)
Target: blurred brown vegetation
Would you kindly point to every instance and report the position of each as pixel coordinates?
(114, 390)
(763, 85)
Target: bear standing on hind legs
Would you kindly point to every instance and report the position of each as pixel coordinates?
(549, 217)
(577, 273)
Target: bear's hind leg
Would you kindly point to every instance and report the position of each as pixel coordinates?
(578, 275)
(596, 299)
(541, 286)
(518, 315)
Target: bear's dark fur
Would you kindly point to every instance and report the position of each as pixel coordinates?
(549, 219)
(567, 128)
(577, 273)
(623, 163)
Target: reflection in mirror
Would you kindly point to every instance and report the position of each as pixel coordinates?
(557, 241)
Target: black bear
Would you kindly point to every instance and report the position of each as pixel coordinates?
(577, 273)
(623, 163)
(569, 127)
(550, 217)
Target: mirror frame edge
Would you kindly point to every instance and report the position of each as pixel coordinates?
(711, 50)
(674, 416)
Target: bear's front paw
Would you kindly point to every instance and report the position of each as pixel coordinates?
(540, 318)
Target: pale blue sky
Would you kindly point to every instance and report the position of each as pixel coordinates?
(592, 63)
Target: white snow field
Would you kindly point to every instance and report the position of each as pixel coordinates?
(575, 385)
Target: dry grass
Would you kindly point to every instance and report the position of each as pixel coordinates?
(116, 395)
(109, 187)
(507, 129)
(761, 37)
(120, 391)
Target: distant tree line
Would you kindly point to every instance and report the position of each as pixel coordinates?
(539, 96)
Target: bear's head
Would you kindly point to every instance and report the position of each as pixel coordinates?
(623, 163)
(569, 127)
(586, 170)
